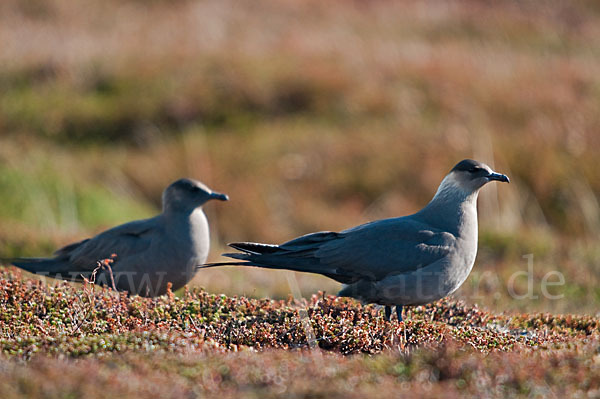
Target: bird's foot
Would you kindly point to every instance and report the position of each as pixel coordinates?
(388, 313)
(399, 312)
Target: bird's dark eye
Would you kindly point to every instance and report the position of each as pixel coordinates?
(474, 169)
(195, 189)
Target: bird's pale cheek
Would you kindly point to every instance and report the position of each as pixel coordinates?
(482, 181)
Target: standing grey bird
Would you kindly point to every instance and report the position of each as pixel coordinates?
(408, 260)
(150, 253)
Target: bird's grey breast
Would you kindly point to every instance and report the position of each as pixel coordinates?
(197, 234)
(461, 262)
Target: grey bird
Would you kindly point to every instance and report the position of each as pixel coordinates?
(150, 253)
(409, 260)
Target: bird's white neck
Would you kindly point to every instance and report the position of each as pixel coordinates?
(454, 191)
(454, 204)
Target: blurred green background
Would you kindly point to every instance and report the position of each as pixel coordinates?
(311, 116)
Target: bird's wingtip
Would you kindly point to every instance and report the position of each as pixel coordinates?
(217, 264)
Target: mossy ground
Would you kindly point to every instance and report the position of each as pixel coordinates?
(63, 340)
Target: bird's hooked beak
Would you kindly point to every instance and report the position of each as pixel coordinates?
(498, 177)
(219, 196)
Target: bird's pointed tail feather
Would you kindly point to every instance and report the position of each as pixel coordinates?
(267, 256)
(46, 267)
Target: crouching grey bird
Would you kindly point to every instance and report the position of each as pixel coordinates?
(150, 253)
(407, 260)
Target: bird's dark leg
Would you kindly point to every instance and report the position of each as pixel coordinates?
(388, 313)
(399, 312)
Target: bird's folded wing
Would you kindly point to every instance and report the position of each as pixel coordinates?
(391, 246)
(308, 243)
(124, 241)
